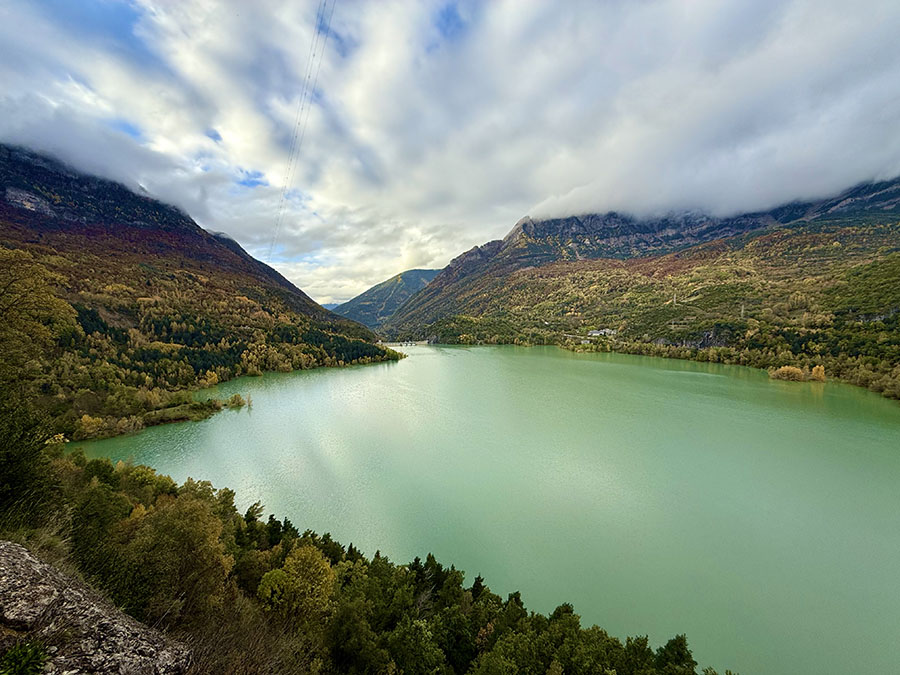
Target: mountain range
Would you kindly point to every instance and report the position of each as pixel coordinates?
(804, 284)
(172, 306)
(459, 288)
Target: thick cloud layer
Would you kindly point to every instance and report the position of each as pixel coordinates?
(434, 126)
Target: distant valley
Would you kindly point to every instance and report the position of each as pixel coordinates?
(378, 304)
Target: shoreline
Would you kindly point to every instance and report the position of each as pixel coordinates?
(199, 409)
(204, 408)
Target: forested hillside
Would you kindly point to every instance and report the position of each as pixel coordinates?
(376, 305)
(459, 288)
(823, 290)
(146, 305)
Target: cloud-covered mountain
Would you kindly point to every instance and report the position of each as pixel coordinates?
(462, 286)
(433, 125)
(157, 303)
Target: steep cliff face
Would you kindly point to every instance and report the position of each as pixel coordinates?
(616, 235)
(78, 630)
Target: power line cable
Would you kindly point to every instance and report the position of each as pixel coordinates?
(317, 47)
(295, 128)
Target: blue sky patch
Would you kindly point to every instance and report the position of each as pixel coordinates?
(126, 127)
(215, 135)
(448, 22)
(251, 179)
(449, 26)
(111, 21)
(298, 196)
(343, 45)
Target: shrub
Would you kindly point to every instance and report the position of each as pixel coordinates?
(25, 658)
(27, 486)
(88, 427)
(790, 373)
(301, 589)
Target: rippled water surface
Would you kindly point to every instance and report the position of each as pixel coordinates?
(761, 518)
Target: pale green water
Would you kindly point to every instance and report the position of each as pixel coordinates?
(761, 518)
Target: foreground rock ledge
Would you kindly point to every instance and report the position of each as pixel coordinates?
(83, 633)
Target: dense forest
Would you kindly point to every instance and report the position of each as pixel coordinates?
(248, 593)
(825, 293)
(142, 306)
(103, 376)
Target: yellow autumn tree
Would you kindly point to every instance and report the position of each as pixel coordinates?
(88, 427)
(30, 309)
(301, 589)
(790, 373)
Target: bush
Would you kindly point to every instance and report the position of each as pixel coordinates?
(27, 487)
(236, 401)
(789, 373)
(88, 427)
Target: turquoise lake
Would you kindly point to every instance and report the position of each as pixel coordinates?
(761, 518)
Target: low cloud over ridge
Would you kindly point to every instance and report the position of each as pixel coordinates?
(436, 125)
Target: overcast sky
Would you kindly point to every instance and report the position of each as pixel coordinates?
(435, 126)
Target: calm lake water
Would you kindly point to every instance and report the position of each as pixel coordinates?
(761, 518)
